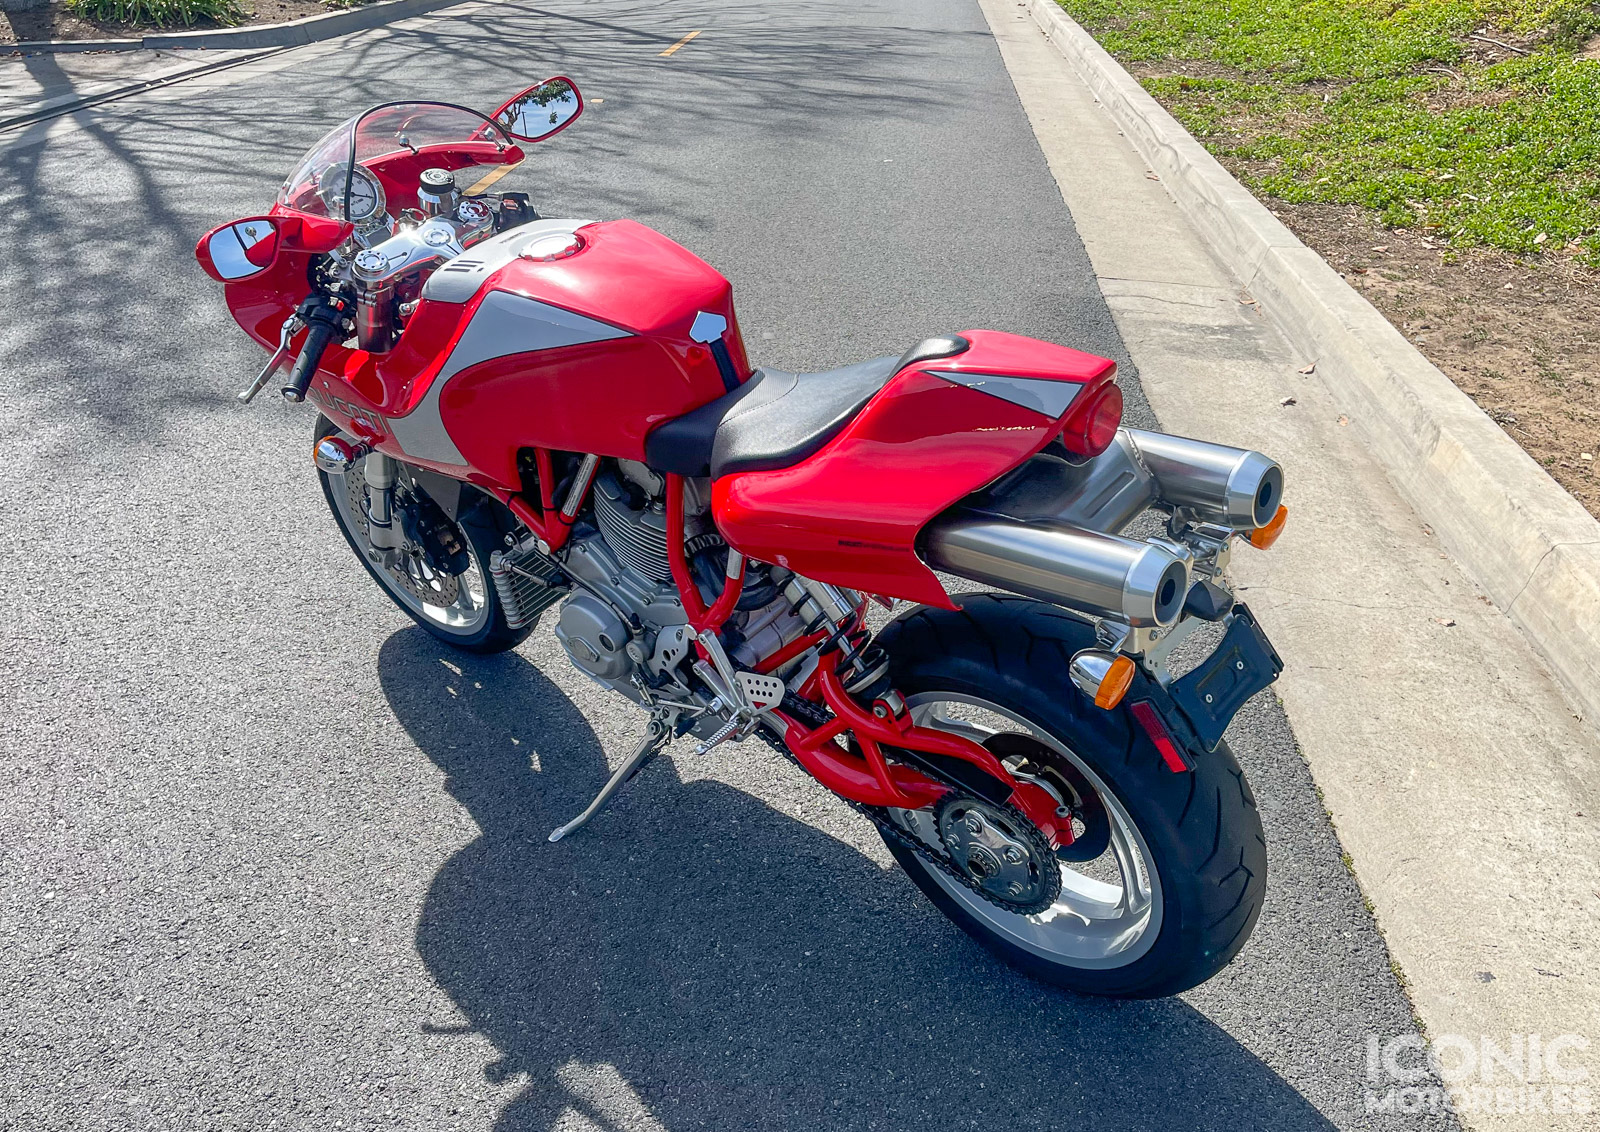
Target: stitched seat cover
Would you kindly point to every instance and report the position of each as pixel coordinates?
(771, 421)
(777, 418)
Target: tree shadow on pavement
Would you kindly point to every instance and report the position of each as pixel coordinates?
(695, 958)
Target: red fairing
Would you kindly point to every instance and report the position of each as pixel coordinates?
(851, 514)
(601, 396)
(260, 303)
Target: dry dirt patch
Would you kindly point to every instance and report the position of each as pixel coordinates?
(54, 21)
(1521, 340)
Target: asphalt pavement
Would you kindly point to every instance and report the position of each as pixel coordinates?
(272, 858)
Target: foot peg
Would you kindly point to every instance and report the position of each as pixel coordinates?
(656, 737)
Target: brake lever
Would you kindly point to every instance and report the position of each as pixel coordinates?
(291, 326)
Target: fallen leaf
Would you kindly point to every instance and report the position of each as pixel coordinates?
(1447, 622)
(1540, 238)
(1311, 368)
(1381, 248)
(1287, 401)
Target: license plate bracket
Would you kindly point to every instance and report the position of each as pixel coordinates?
(1242, 665)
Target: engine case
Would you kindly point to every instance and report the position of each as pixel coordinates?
(595, 638)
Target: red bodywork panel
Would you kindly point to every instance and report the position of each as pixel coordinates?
(851, 514)
(602, 397)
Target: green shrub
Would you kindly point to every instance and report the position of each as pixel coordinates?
(158, 13)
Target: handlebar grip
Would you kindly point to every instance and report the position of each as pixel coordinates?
(324, 331)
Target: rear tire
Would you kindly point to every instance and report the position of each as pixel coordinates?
(486, 630)
(1199, 833)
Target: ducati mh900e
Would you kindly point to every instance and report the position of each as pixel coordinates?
(524, 416)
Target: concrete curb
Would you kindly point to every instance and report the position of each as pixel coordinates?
(291, 34)
(1531, 546)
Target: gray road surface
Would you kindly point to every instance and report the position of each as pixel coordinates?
(271, 858)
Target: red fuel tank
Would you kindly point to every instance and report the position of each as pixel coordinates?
(565, 335)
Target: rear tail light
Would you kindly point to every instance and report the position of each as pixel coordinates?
(1150, 719)
(1091, 428)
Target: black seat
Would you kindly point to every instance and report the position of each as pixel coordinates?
(777, 419)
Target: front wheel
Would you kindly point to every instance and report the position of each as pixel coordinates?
(1165, 879)
(462, 609)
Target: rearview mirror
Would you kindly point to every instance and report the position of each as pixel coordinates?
(541, 110)
(239, 250)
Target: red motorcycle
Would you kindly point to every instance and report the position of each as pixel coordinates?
(519, 413)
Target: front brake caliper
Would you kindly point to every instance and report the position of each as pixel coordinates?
(429, 528)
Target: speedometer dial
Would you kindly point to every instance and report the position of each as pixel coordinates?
(366, 193)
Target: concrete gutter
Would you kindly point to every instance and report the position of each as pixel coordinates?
(1516, 532)
(291, 34)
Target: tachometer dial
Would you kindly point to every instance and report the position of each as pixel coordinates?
(366, 193)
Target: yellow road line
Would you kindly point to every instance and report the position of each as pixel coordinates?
(681, 42)
(490, 178)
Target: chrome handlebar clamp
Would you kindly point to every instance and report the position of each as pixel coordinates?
(376, 270)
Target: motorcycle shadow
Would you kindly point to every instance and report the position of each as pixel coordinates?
(695, 958)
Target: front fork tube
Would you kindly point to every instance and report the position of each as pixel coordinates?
(381, 530)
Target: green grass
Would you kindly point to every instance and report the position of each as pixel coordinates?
(157, 13)
(1381, 104)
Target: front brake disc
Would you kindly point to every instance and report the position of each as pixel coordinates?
(408, 565)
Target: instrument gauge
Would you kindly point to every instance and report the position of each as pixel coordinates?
(366, 192)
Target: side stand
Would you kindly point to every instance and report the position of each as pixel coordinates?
(656, 737)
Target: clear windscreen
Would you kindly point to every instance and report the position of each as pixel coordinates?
(335, 180)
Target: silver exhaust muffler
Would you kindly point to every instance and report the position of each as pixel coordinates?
(1232, 487)
(1139, 583)
(1235, 487)
(1051, 529)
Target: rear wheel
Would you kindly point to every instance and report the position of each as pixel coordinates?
(461, 609)
(1165, 878)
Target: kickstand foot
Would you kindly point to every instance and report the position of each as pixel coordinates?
(656, 737)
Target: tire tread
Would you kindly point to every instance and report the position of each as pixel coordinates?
(1205, 833)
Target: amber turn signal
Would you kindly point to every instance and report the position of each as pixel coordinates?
(1263, 537)
(1102, 677)
(1115, 685)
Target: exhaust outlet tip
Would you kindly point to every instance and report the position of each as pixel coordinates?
(1140, 583)
(1268, 495)
(1162, 580)
(1236, 487)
